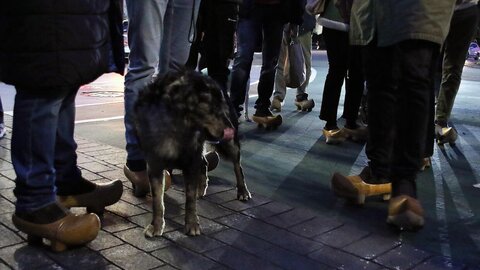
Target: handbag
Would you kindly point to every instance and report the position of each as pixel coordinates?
(294, 70)
(315, 7)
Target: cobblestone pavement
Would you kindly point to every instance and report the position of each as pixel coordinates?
(259, 234)
(293, 220)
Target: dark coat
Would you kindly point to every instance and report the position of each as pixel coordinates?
(49, 44)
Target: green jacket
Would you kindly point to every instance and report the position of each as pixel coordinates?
(393, 21)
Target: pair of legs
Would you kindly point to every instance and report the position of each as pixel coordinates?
(305, 40)
(216, 26)
(344, 63)
(159, 35)
(265, 21)
(462, 30)
(45, 161)
(399, 95)
(43, 147)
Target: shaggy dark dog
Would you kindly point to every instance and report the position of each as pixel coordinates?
(175, 115)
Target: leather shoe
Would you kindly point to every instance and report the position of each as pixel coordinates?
(354, 188)
(405, 213)
(140, 182)
(68, 230)
(445, 135)
(334, 136)
(95, 201)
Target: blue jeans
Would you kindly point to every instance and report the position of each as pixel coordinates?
(159, 35)
(43, 147)
(265, 21)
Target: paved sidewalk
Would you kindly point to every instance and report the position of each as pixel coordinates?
(259, 234)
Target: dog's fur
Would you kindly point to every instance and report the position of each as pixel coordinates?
(174, 117)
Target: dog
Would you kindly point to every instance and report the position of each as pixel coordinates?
(174, 116)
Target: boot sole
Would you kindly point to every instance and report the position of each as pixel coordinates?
(342, 187)
(407, 220)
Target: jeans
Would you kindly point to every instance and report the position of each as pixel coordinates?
(43, 147)
(399, 91)
(159, 35)
(462, 29)
(344, 63)
(280, 87)
(264, 21)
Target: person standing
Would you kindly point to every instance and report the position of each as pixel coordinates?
(159, 35)
(47, 73)
(344, 64)
(402, 40)
(305, 39)
(265, 19)
(462, 30)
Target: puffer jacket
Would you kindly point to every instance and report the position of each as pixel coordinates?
(393, 21)
(49, 44)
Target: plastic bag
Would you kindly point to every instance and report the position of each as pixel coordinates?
(294, 69)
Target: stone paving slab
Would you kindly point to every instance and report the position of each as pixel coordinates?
(259, 234)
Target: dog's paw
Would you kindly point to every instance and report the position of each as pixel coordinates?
(192, 229)
(243, 194)
(150, 231)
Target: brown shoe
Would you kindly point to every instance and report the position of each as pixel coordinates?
(355, 189)
(95, 201)
(406, 213)
(445, 135)
(69, 230)
(139, 180)
(334, 136)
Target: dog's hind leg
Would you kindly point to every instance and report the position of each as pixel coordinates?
(191, 178)
(157, 182)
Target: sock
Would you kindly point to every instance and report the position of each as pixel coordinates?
(330, 125)
(404, 187)
(441, 123)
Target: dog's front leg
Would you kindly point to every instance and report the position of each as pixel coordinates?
(243, 194)
(157, 182)
(191, 178)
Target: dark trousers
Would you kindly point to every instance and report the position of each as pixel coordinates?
(264, 21)
(399, 92)
(220, 25)
(43, 147)
(462, 30)
(344, 63)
